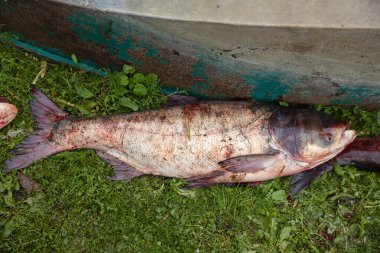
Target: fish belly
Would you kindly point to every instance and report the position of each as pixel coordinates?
(190, 140)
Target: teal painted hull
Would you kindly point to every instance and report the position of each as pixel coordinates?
(298, 65)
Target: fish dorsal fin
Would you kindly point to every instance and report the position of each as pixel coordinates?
(300, 181)
(176, 100)
(123, 171)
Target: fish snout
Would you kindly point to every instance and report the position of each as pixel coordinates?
(349, 136)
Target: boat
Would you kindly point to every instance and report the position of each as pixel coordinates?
(304, 52)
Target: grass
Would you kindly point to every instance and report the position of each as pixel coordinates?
(79, 210)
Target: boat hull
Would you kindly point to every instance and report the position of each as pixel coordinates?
(306, 65)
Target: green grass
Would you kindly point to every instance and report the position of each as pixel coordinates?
(79, 210)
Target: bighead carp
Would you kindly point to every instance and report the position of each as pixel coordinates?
(204, 142)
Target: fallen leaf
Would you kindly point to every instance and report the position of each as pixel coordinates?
(27, 183)
(13, 133)
(43, 69)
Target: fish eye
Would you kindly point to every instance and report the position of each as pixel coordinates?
(328, 137)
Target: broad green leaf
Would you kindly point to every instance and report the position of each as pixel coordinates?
(279, 195)
(283, 246)
(140, 90)
(84, 111)
(273, 229)
(8, 229)
(49, 80)
(123, 80)
(127, 102)
(73, 78)
(83, 91)
(186, 193)
(338, 170)
(285, 233)
(128, 69)
(88, 104)
(139, 77)
(9, 201)
(151, 78)
(131, 84)
(74, 58)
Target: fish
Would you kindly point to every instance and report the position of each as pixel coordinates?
(7, 112)
(363, 153)
(203, 142)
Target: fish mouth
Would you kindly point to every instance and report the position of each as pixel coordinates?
(349, 136)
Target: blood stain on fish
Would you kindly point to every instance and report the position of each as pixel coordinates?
(189, 111)
(238, 177)
(228, 151)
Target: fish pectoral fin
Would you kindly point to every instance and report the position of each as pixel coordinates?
(301, 180)
(122, 170)
(251, 163)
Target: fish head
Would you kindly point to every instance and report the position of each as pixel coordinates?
(309, 136)
(7, 112)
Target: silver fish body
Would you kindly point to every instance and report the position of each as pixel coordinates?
(183, 141)
(205, 142)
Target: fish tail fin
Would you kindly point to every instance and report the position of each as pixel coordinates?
(37, 145)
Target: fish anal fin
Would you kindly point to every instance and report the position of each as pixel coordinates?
(243, 184)
(122, 170)
(206, 180)
(211, 179)
(251, 163)
(301, 180)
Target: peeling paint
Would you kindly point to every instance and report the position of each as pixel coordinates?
(103, 39)
(268, 86)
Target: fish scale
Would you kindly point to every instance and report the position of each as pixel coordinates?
(162, 147)
(198, 153)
